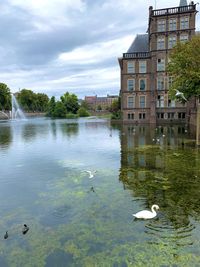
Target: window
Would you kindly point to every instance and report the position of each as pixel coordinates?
(142, 116)
(160, 101)
(171, 103)
(172, 25)
(170, 115)
(142, 67)
(131, 84)
(161, 26)
(184, 23)
(160, 83)
(160, 115)
(183, 38)
(181, 115)
(142, 101)
(171, 41)
(161, 43)
(160, 64)
(130, 116)
(131, 67)
(131, 102)
(142, 84)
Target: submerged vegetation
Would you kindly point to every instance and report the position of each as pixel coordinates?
(77, 221)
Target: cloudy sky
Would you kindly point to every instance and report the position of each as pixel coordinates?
(54, 46)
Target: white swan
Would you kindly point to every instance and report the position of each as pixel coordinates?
(146, 214)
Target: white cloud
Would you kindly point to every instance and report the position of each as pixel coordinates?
(56, 45)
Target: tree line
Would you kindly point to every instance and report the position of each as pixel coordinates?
(67, 106)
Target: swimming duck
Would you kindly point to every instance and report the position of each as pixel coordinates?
(6, 235)
(25, 229)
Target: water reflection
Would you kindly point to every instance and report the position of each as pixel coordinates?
(161, 166)
(69, 129)
(5, 136)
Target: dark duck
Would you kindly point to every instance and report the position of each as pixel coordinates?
(6, 235)
(25, 229)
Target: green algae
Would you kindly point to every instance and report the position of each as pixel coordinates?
(73, 226)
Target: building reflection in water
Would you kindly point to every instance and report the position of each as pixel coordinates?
(160, 165)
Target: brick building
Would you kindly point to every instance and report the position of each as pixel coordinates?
(144, 80)
(102, 103)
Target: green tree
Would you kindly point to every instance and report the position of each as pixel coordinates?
(116, 109)
(71, 102)
(59, 110)
(5, 97)
(27, 100)
(82, 112)
(42, 102)
(115, 106)
(85, 105)
(51, 106)
(184, 67)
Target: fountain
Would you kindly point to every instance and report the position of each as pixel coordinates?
(4, 114)
(16, 112)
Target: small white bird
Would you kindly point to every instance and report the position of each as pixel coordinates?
(91, 174)
(179, 94)
(146, 214)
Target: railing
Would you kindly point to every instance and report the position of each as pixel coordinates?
(173, 10)
(136, 55)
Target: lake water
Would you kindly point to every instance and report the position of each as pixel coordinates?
(77, 221)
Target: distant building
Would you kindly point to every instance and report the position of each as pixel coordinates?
(144, 80)
(100, 103)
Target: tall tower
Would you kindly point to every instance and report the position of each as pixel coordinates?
(144, 79)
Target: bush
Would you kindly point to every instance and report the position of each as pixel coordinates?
(71, 116)
(82, 112)
(59, 110)
(116, 115)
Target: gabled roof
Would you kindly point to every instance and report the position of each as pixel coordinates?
(183, 3)
(140, 44)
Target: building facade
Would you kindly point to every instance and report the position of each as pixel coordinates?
(100, 103)
(144, 79)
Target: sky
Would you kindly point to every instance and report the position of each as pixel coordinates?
(55, 46)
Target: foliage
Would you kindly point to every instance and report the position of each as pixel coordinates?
(116, 115)
(116, 109)
(51, 106)
(85, 105)
(71, 102)
(184, 67)
(59, 110)
(115, 106)
(99, 107)
(31, 101)
(82, 112)
(5, 97)
(71, 116)
(42, 102)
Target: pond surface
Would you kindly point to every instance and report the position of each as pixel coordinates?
(78, 221)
